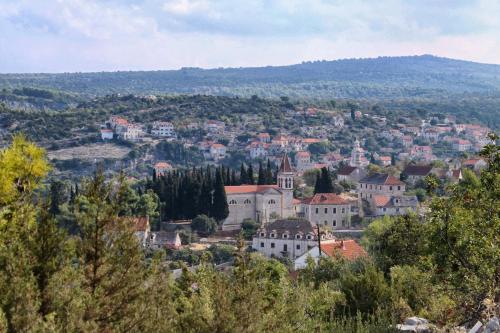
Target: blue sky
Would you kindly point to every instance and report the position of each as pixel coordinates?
(104, 35)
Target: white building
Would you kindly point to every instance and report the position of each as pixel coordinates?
(327, 209)
(218, 151)
(383, 184)
(129, 132)
(162, 167)
(214, 126)
(106, 134)
(303, 161)
(257, 149)
(358, 158)
(163, 129)
(394, 205)
(261, 203)
(462, 145)
(288, 238)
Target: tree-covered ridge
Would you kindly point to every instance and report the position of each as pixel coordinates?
(383, 77)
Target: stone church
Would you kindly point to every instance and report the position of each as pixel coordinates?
(261, 203)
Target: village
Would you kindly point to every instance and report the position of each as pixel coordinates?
(295, 222)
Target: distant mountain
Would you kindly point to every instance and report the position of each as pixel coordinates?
(423, 76)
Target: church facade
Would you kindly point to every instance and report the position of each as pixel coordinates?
(261, 203)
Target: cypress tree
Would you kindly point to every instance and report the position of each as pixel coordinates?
(262, 176)
(243, 175)
(251, 178)
(269, 173)
(326, 181)
(317, 185)
(220, 208)
(233, 178)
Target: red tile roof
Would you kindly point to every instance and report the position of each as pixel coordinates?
(381, 200)
(140, 223)
(248, 188)
(348, 248)
(326, 199)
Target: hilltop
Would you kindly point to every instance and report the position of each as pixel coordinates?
(423, 77)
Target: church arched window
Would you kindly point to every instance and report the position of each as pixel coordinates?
(271, 202)
(232, 202)
(247, 202)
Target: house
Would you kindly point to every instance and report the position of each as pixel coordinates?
(414, 173)
(164, 239)
(142, 229)
(162, 167)
(431, 134)
(217, 151)
(406, 141)
(130, 132)
(106, 134)
(332, 159)
(461, 145)
(303, 161)
(346, 248)
(338, 121)
(288, 238)
(163, 129)
(377, 183)
(257, 149)
(261, 203)
(115, 121)
(350, 174)
(454, 176)
(475, 164)
(327, 209)
(264, 137)
(394, 204)
(384, 160)
(214, 126)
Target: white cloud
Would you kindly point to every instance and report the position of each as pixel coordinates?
(94, 35)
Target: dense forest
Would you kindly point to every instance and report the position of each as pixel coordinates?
(384, 77)
(95, 277)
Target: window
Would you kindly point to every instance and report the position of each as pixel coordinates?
(247, 202)
(232, 202)
(326, 223)
(326, 210)
(272, 245)
(384, 209)
(334, 210)
(343, 222)
(261, 244)
(285, 247)
(390, 188)
(262, 234)
(298, 236)
(399, 188)
(380, 187)
(271, 202)
(285, 235)
(397, 210)
(273, 235)
(317, 210)
(370, 196)
(297, 246)
(343, 210)
(334, 223)
(309, 237)
(370, 187)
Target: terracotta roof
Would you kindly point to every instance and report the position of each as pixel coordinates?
(417, 170)
(248, 188)
(327, 199)
(381, 179)
(218, 145)
(302, 154)
(285, 165)
(348, 248)
(105, 130)
(346, 170)
(381, 200)
(140, 223)
(163, 165)
(311, 140)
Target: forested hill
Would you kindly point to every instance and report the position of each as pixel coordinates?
(384, 77)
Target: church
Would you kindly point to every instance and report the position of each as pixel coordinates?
(261, 203)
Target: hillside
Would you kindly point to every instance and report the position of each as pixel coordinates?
(381, 78)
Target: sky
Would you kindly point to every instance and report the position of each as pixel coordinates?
(110, 35)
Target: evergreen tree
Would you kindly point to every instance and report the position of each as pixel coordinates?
(243, 175)
(56, 197)
(262, 176)
(318, 188)
(220, 208)
(250, 175)
(269, 173)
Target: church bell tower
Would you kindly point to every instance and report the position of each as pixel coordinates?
(285, 184)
